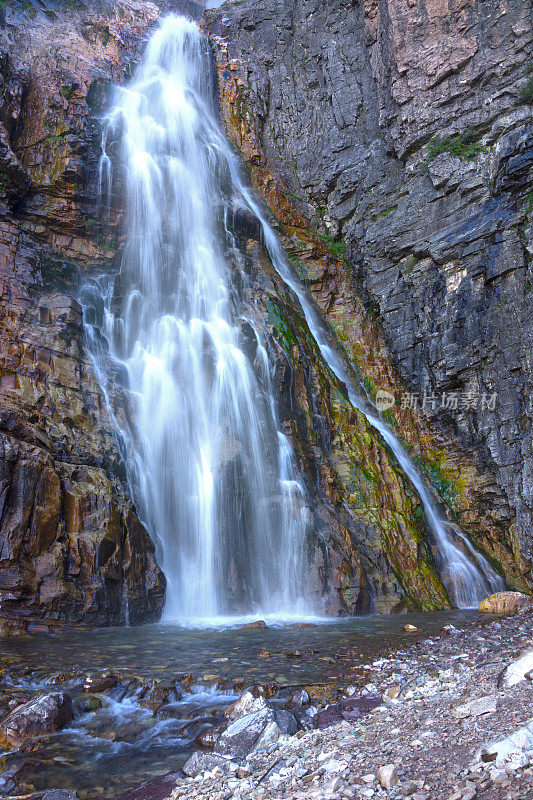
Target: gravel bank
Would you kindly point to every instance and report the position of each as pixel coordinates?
(445, 702)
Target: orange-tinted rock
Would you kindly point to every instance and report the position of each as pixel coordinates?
(256, 624)
(506, 603)
(72, 549)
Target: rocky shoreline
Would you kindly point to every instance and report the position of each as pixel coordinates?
(441, 729)
(416, 720)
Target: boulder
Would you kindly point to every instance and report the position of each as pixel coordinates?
(44, 714)
(300, 698)
(476, 707)
(242, 735)
(519, 670)
(506, 603)
(246, 704)
(286, 722)
(268, 739)
(94, 684)
(387, 776)
(200, 762)
(90, 703)
(209, 736)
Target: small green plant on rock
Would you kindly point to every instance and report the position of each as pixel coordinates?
(336, 248)
(410, 264)
(526, 91)
(463, 145)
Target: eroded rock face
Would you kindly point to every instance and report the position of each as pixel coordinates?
(72, 549)
(398, 132)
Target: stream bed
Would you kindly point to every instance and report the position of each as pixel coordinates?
(144, 729)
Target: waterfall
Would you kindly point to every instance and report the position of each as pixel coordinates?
(211, 472)
(466, 574)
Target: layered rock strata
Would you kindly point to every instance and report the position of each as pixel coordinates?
(393, 145)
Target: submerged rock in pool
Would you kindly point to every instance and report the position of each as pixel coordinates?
(260, 623)
(90, 703)
(44, 714)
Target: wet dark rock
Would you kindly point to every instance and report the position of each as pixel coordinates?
(286, 722)
(267, 690)
(99, 683)
(163, 692)
(210, 735)
(90, 703)
(243, 222)
(45, 714)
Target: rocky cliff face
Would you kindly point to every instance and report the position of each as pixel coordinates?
(393, 143)
(72, 548)
(392, 148)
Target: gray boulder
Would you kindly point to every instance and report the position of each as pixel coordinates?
(42, 715)
(286, 722)
(200, 762)
(242, 735)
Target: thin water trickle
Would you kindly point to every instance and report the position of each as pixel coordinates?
(467, 578)
(206, 459)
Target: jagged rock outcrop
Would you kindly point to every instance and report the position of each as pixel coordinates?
(394, 145)
(72, 549)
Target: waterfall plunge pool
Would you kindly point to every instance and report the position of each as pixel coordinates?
(128, 741)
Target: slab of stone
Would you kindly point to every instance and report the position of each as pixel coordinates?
(44, 714)
(476, 707)
(241, 736)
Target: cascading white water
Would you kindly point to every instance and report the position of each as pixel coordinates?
(206, 459)
(212, 474)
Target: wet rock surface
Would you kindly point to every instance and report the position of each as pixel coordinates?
(45, 714)
(399, 136)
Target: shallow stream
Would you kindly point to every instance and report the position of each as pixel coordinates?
(127, 741)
